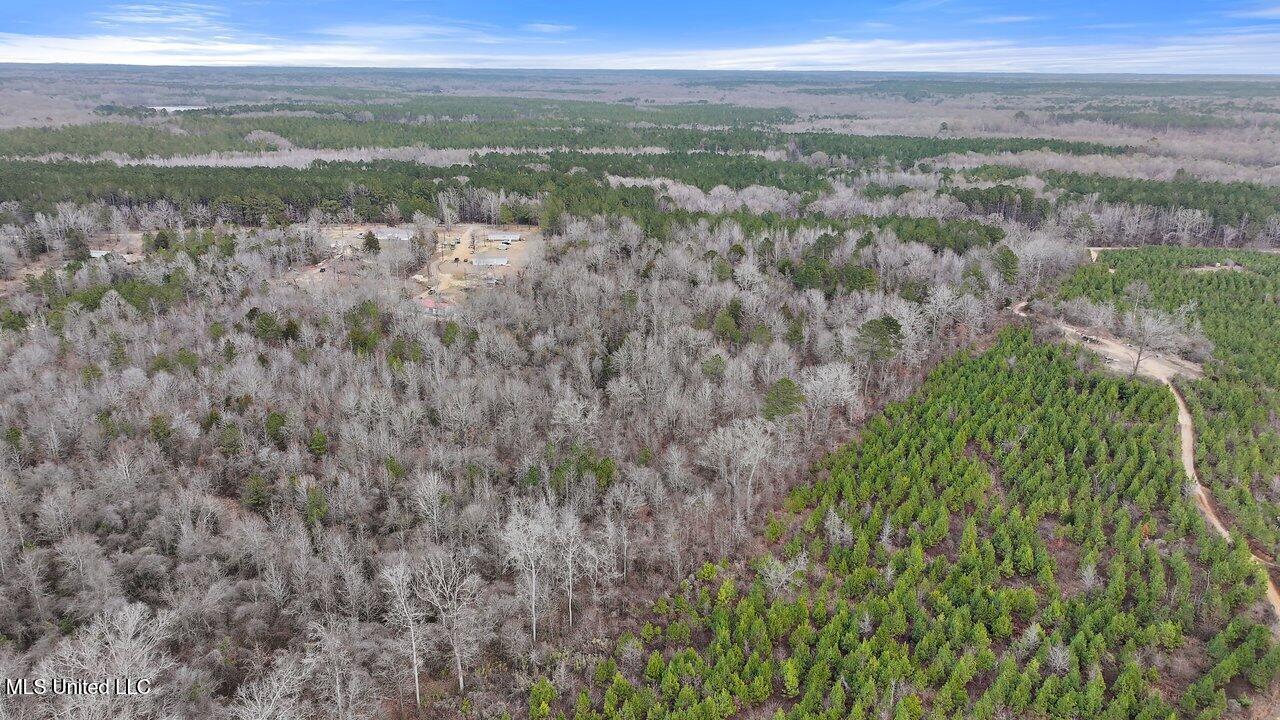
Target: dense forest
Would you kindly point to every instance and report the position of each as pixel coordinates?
(1018, 527)
(389, 394)
(1240, 204)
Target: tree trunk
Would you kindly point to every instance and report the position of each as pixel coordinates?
(1136, 362)
(337, 689)
(413, 650)
(457, 660)
(533, 602)
(570, 575)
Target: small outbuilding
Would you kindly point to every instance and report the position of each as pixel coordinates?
(394, 234)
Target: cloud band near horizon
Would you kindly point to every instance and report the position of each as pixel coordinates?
(1243, 40)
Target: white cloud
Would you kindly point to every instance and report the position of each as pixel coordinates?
(440, 32)
(398, 32)
(1262, 13)
(1110, 26)
(1251, 52)
(1005, 19)
(548, 28)
(173, 16)
(914, 6)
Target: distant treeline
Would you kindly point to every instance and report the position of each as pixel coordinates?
(1229, 203)
(200, 133)
(1234, 203)
(513, 108)
(1152, 120)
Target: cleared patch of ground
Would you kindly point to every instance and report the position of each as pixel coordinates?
(1118, 354)
(1095, 251)
(466, 259)
(127, 245)
(1218, 267)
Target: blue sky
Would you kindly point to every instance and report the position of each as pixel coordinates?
(916, 35)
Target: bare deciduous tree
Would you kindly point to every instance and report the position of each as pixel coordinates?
(573, 552)
(451, 588)
(1151, 330)
(127, 642)
(738, 453)
(275, 693)
(403, 611)
(527, 540)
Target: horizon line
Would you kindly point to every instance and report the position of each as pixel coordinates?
(697, 71)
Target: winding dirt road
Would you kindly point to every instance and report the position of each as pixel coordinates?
(1163, 368)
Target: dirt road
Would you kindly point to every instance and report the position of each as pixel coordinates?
(1163, 368)
(1187, 431)
(1115, 352)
